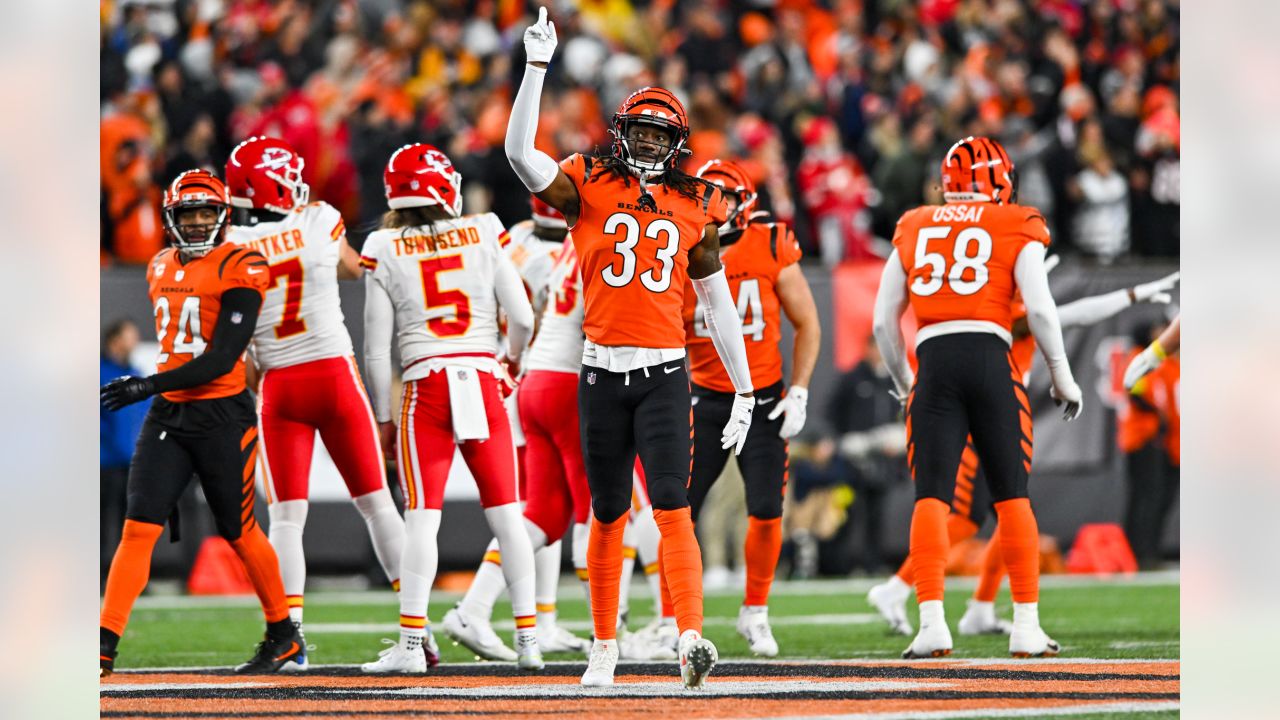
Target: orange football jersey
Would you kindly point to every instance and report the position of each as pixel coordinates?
(959, 259)
(635, 261)
(751, 266)
(187, 299)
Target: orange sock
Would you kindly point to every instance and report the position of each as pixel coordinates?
(682, 566)
(992, 570)
(668, 609)
(604, 574)
(264, 572)
(929, 547)
(959, 529)
(130, 569)
(762, 546)
(1020, 543)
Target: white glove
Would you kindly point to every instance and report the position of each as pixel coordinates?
(795, 405)
(1157, 291)
(540, 39)
(735, 431)
(1065, 390)
(1142, 363)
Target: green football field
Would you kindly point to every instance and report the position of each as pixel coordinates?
(1121, 618)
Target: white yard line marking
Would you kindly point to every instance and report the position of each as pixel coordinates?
(585, 625)
(671, 688)
(148, 687)
(1085, 709)
(1130, 645)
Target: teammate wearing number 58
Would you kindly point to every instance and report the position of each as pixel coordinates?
(206, 294)
(959, 266)
(308, 381)
(642, 230)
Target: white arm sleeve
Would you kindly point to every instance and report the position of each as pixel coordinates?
(725, 327)
(1090, 310)
(379, 325)
(1042, 313)
(509, 289)
(535, 168)
(891, 303)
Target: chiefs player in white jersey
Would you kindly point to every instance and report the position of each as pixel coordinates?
(552, 482)
(308, 380)
(438, 278)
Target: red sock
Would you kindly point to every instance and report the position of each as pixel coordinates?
(604, 573)
(929, 547)
(264, 572)
(1020, 543)
(682, 566)
(130, 569)
(992, 570)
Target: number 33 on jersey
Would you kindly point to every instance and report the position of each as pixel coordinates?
(959, 260)
(635, 261)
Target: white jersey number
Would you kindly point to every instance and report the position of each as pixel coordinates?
(748, 305)
(654, 279)
(972, 251)
(188, 326)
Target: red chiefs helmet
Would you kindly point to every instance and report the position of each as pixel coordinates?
(734, 181)
(420, 175)
(191, 190)
(265, 173)
(978, 170)
(546, 216)
(650, 106)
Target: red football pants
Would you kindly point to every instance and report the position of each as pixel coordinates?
(326, 396)
(557, 480)
(425, 449)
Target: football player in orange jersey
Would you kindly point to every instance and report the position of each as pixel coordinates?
(1154, 354)
(760, 259)
(972, 501)
(641, 228)
(959, 265)
(206, 294)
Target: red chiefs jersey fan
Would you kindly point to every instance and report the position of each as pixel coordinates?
(309, 381)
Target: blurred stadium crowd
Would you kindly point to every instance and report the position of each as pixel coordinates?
(841, 109)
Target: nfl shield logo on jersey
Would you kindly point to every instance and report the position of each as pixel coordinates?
(591, 378)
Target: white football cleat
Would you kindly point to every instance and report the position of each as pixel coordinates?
(1025, 642)
(661, 633)
(980, 619)
(753, 625)
(697, 657)
(398, 659)
(529, 656)
(634, 646)
(890, 600)
(601, 664)
(934, 638)
(554, 638)
(477, 636)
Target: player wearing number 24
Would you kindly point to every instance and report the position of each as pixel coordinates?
(308, 380)
(959, 265)
(642, 229)
(206, 294)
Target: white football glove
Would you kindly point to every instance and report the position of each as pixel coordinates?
(1064, 390)
(735, 431)
(1157, 291)
(1142, 363)
(795, 405)
(540, 39)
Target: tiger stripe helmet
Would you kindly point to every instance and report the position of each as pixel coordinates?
(651, 106)
(977, 169)
(195, 189)
(732, 180)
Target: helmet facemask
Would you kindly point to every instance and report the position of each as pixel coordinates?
(210, 232)
(291, 179)
(668, 151)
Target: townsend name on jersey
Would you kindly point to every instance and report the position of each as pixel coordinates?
(418, 244)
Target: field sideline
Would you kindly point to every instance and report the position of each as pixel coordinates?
(1120, 659)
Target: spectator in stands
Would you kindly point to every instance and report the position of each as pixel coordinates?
(833, 189)
(866, 418)
(118, 433)
(1102, 212)
(816, 502)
